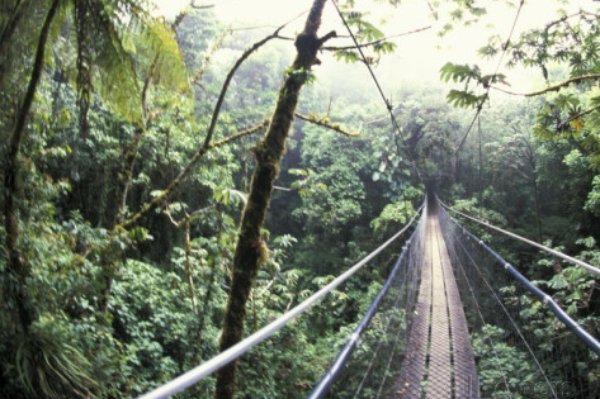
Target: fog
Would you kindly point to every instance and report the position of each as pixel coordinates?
(418, 57)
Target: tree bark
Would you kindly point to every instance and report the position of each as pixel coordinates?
(251, 250)
(16, 265)
(7, 34)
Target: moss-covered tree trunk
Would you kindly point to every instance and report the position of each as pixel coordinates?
(251, 249)
(16, 265)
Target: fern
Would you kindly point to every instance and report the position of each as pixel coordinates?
(170, 70)
(459, 73)
(464, 99)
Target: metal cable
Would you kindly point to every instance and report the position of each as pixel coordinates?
(479, 312)
(413, 264)
(376, 352)
(336, 367)
(388, 104)
(558, 254)
(510, 318)
(489, 87)
(387, 367)
(546, 299)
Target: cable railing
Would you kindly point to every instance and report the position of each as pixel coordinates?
(205, 369)
(400, 290)
(558, 254)
(527, 345)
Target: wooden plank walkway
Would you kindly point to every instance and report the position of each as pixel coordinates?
(438, 361)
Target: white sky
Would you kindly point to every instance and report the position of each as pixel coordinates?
(418, 57)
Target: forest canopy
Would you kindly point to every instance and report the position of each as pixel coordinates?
(175, 179)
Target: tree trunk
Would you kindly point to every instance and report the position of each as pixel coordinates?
(16, 265)
(7, 34)
(251, 250)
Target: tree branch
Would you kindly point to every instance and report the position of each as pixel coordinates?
(323, 121)
(225, 87)
(555, 87)
(378, 41)
(16, 265)
(164, 194)
(179, 18)
(207, 145)
(208, 55)
(581, 114)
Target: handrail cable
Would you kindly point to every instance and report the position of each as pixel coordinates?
(377, 349)
(375, 353)
(546, 299)
(489, 87)
(506, 312)
(478, 307)
(196, 374)
(558, 254)
(388, 104)
(336, 367)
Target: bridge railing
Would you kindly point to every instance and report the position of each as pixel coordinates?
(368, 362)
(525, 344)
(205, 369)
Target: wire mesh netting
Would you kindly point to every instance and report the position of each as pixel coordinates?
(373, 367)
(522, 349)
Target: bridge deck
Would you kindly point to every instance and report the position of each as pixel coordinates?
(438, 360)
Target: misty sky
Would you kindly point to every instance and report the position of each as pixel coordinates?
(418, 57)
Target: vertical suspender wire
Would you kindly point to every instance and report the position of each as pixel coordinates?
(387, 367)
(410, 297)
(378, 348)
(323, 386)
(390, 359)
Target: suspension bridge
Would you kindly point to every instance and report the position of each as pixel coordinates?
(455, 320)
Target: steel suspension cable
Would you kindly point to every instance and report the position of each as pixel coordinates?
(388, 104)
(546, 299)
(478, 309)
(410, 294)
(323, 386)
(489, 87)
(387, 367)
(510, 318)
(196, 374)
(558, 254)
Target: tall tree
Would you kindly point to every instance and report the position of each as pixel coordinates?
(251, 249)
(17, 266)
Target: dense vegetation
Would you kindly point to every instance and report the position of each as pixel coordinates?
(129, 145)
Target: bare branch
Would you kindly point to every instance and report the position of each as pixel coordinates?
(556, 87)
(207, 145)
(323, 121)
(200, 152)
(376, 42)
(201, 7)
(239, 135)
(179, 18)
(434, 13)
(225, 87)
(208, 55)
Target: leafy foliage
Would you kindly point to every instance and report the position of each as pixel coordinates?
(119, 309)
